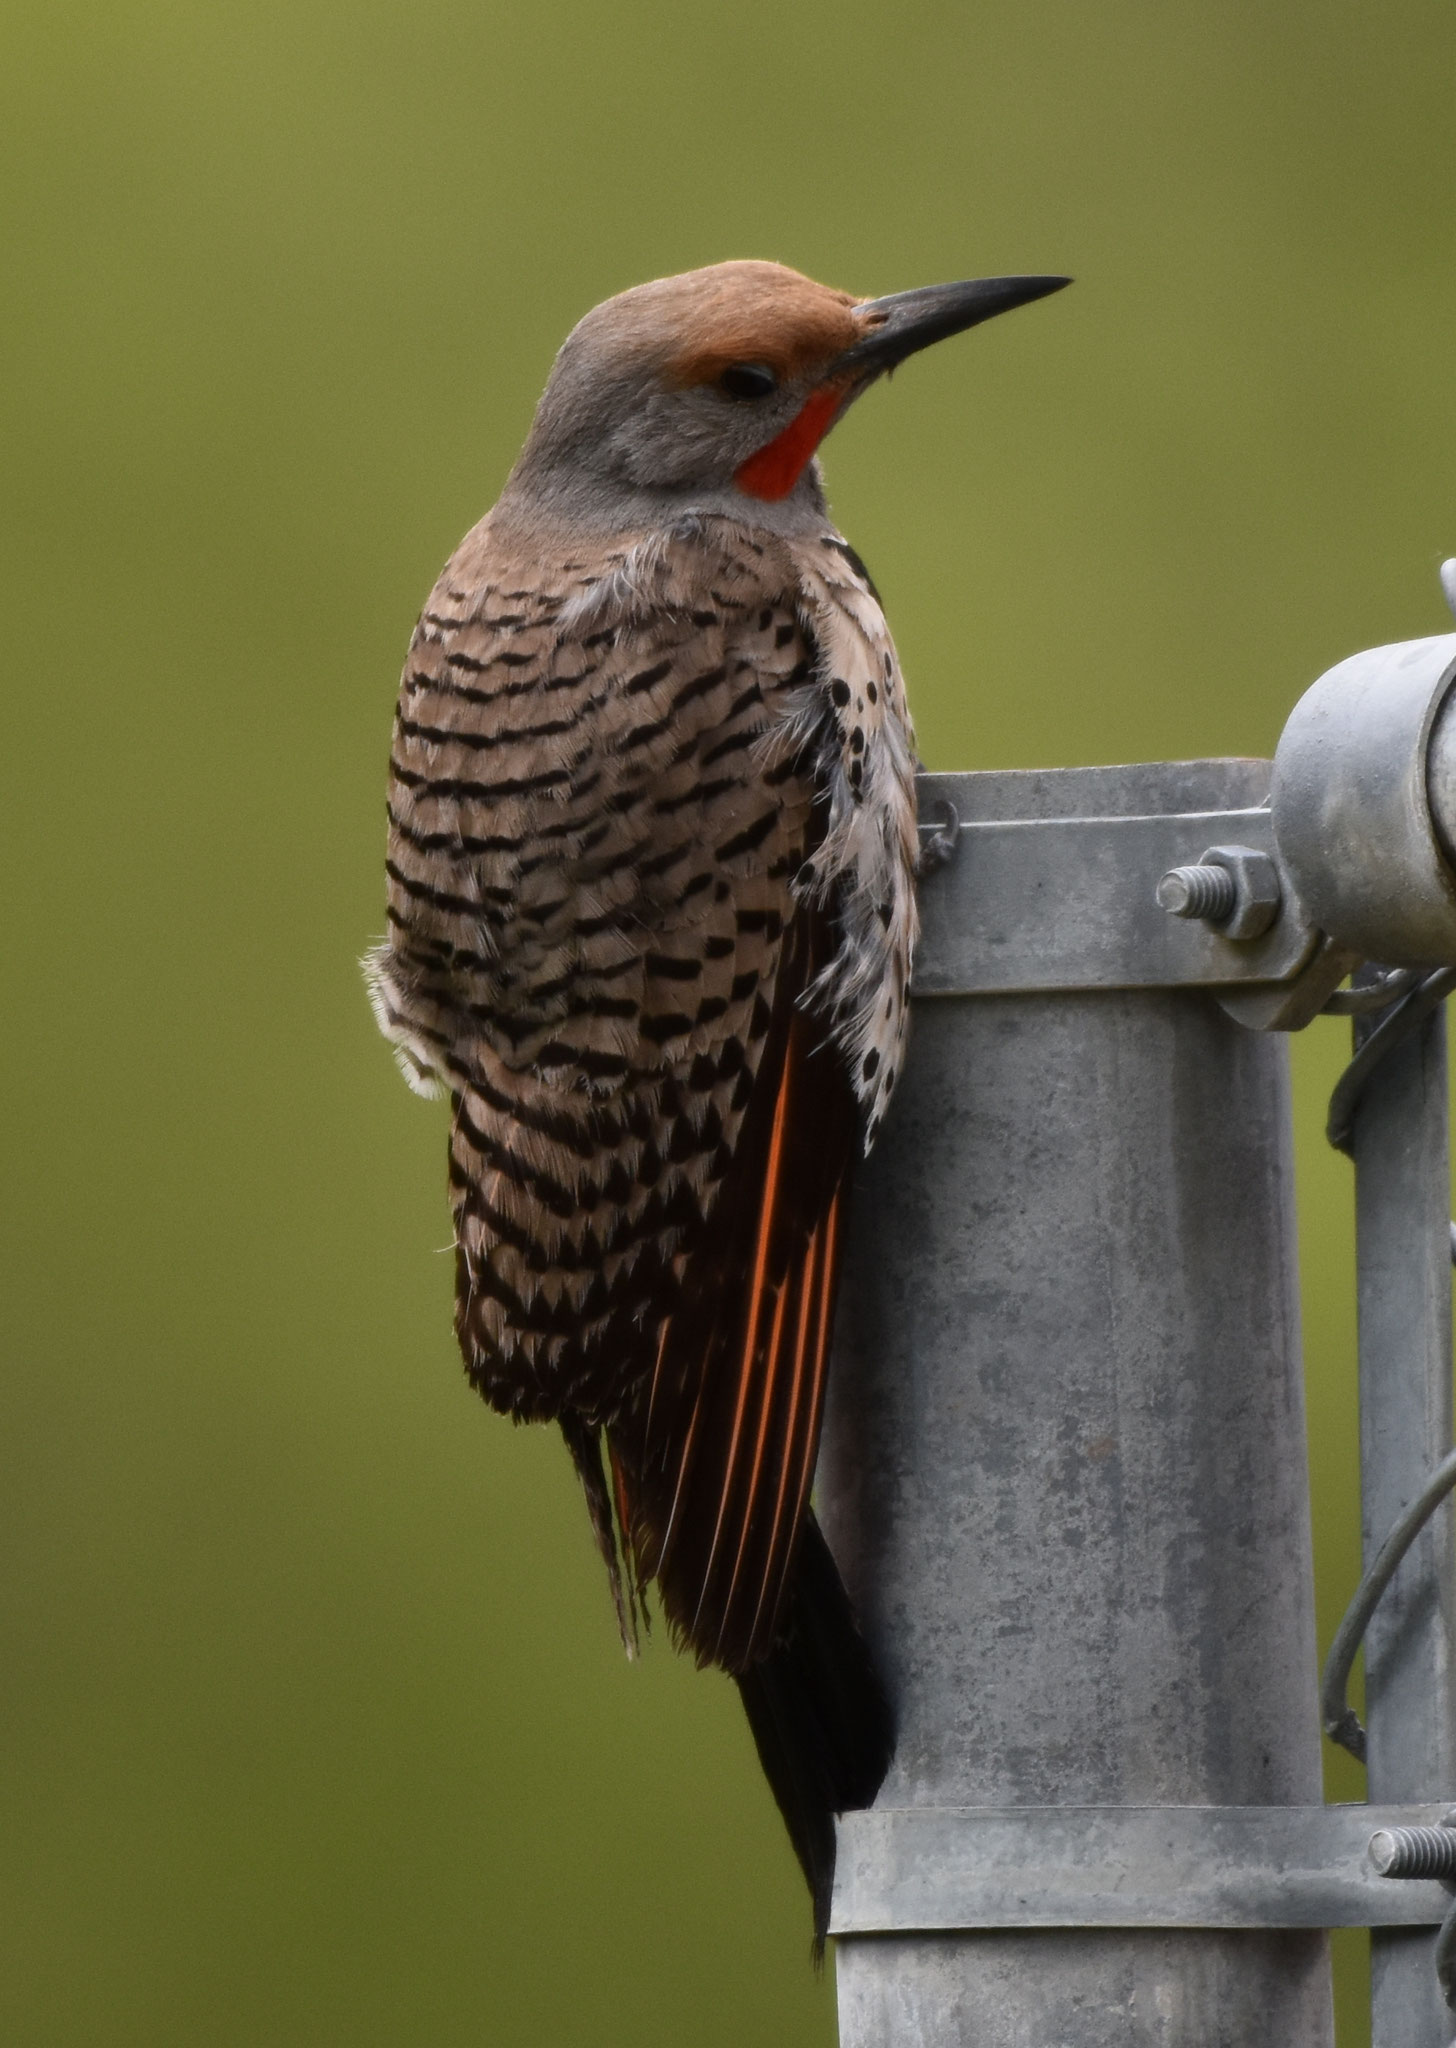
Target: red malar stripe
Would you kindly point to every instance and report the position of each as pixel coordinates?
(774, 470)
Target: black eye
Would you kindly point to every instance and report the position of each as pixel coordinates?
(749, 380)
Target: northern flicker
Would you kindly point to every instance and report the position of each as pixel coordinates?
(652, 851)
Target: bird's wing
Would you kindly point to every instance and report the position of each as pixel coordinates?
(719, 1466)
(609, 769)
(741, 1377)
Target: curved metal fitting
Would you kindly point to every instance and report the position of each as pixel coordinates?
(1364, 1000)
(1235, 888)
(1403, 1017)
(1364, 802)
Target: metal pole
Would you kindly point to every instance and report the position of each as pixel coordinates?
(1402, 1203)
(1064, 1465)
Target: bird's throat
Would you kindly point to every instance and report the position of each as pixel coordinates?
(773, 471)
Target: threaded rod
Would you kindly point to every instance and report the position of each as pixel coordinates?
(1414, 1852)
(1203, 890)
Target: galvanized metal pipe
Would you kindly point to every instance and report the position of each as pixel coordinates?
(1402, 1204)
(1064, 1465)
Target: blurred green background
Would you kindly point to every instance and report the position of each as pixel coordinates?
(315, 1729)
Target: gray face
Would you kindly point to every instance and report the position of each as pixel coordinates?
(698, 438)
(610, 417)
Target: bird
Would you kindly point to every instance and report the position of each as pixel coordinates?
(651, 920)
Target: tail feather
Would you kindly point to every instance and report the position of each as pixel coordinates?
(819, 1715)
(585, 1445)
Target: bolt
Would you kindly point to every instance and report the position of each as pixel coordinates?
(1414, 1852)
(1235, 888)
(1198, 892)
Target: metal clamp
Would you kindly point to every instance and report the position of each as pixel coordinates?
(931, 1869)
(1062, 896)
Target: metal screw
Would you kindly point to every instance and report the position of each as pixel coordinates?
(1414, 1852)
(1198, 892)
(1235, 888)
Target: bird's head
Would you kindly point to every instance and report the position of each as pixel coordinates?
(717, 386)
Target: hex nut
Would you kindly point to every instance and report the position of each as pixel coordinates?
(1257, 894)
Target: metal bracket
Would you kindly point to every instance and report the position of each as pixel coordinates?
(1068, 902)
(930, 1869)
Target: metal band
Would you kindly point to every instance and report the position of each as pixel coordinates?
(928, 1869)
(1027, 904)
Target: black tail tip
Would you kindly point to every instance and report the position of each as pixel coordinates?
(820, 1718)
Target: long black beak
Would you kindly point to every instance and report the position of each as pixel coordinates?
(907, 321)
